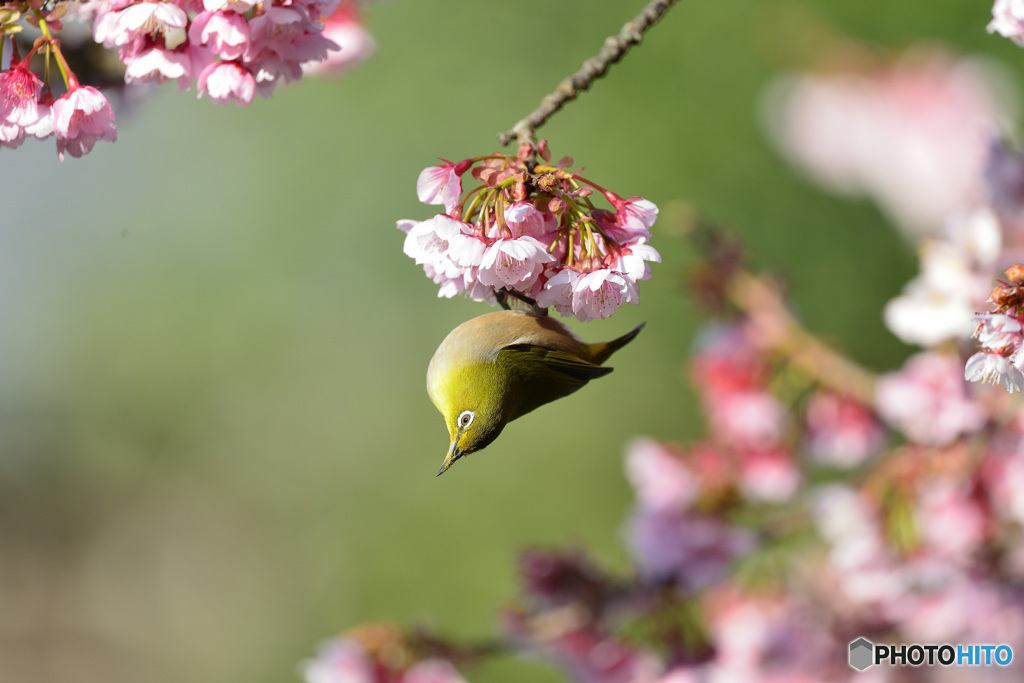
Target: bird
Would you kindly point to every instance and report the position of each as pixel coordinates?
(500, 366)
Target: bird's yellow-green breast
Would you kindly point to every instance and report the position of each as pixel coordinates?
(501, 365)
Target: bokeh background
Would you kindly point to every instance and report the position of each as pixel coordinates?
(216, 448)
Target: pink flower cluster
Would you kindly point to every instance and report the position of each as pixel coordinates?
(925, 549)
(531, 228)
(669, 538)
(232, 49)
(928, 400)
(750, 427)
(1000, 335)
(76, 119)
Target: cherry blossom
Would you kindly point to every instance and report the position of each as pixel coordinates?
(158, 65)
(232, 49)
(19, 96)
(440, 185)
(513, 263)
(120, 27)
(1000, 335)
(599, 293)
(82, 116)
(995, 369)
(225, 33)
(227, 82)
(539, 237)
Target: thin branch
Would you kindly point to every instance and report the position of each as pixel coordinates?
(612, 51)
(781, 330)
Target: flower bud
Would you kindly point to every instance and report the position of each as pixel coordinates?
(1015, 274)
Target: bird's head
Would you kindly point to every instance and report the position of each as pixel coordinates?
(474, 410)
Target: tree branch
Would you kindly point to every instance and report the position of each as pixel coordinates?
(612, 51)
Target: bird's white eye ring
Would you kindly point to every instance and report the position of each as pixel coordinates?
(465, 419)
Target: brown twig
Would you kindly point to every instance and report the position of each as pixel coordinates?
(780, 330)
(612, 51)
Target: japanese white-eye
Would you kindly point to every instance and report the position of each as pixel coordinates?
(499, 366)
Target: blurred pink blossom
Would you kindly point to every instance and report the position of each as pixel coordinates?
(746, 419)
(355, 44)
(1003, 477)
(1008, 20)
(840, 431)
(589, 657)
(928, 400)
(661, 480)
(863, 566)
(951, 521)
(432, 671)
(911, 135)
(956, 606)
(344, 660)
(768, 638)
(694, 551)
(339, 660)
(769, 474)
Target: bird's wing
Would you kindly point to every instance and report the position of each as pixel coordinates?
(539, 359)
(545, 374)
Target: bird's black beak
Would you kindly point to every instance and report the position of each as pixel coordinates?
(453, 454)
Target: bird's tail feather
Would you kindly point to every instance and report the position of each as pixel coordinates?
(602, 351)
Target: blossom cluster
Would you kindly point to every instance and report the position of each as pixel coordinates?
(1000, 335)
(231, 49)
(77, 119)
(531, 229)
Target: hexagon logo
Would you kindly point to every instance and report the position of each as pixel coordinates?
(861, 654)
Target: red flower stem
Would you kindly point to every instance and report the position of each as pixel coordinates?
(614, 48)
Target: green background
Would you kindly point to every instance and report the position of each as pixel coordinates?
(216, 448)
